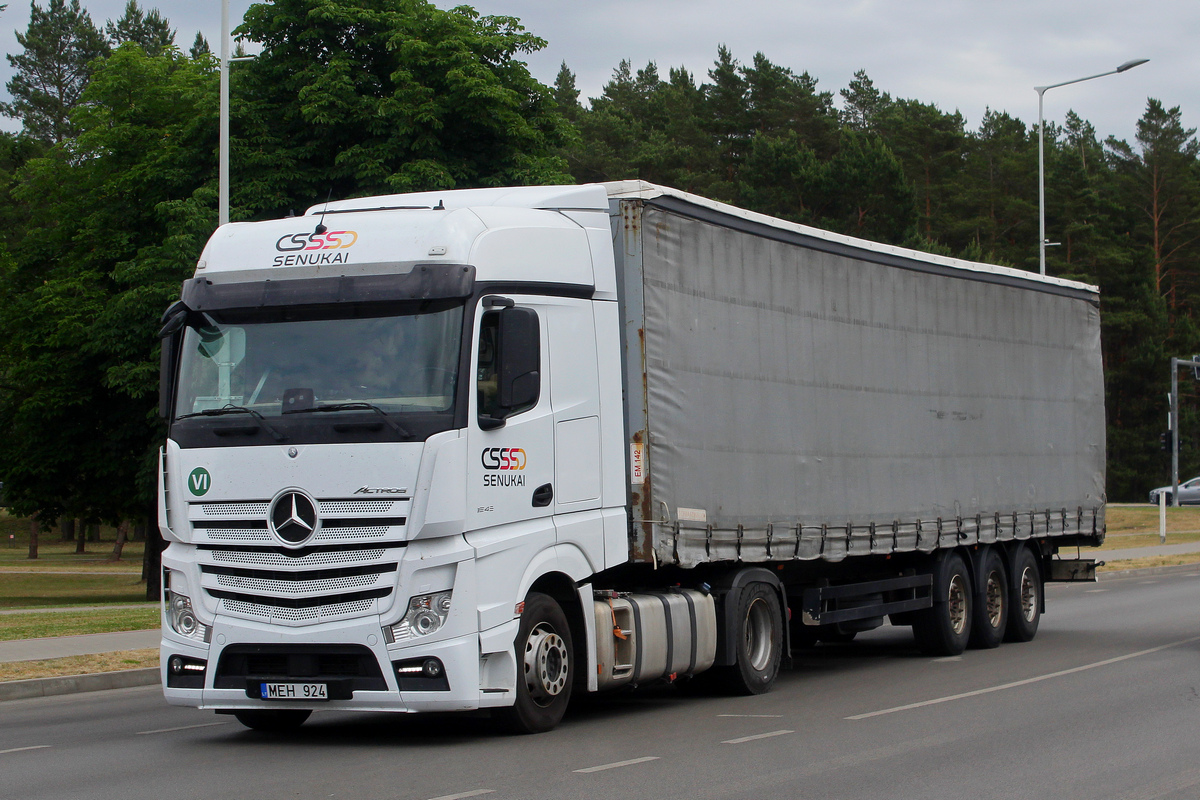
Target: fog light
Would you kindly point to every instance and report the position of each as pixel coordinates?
(421, 675)
(185, 672)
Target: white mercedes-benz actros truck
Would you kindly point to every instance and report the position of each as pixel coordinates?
(490, 448)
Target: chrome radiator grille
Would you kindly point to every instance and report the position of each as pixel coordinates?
(346, 569)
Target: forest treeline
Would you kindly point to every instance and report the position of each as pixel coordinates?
(109, 192)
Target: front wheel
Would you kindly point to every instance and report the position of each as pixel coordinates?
(546, 667)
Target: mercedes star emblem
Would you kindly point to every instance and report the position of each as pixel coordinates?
(293, 517)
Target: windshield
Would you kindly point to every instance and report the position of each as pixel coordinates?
(400, 363)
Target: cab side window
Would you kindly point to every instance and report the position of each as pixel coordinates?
(489, 365)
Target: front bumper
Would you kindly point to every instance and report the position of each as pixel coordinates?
(460, 657)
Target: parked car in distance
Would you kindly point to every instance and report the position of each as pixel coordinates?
(1189, 493)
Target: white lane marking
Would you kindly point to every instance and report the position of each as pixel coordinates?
(185, 727)
(753, 716)
(475, 793)
(756, 736)
(1094, 591)
(1025, 682)
(1146, 582)
(947, 659)
(23, 749)
(617, 764)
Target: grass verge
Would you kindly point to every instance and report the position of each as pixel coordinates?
(1131, 518)
(79, 665)
(14, 627)
(30, 590)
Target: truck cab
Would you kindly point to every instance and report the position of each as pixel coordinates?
(390, 420)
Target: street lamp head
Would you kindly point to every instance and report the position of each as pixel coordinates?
(1137, 62)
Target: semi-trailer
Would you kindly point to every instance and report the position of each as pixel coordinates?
(490, 448)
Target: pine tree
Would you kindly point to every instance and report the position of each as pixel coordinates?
(150, 30)
(862, 103)
(1163, 183)
(60, 45)
(200, 46)
(566, 95)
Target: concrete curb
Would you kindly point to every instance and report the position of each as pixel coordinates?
(72, 684)
(1129, 573)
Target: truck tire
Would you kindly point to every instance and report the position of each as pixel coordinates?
(758, 641)
(273, 720)
(945, 628)
(991, 602)
(1025, 589)
(545, 667)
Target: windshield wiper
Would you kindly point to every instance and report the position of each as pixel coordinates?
(230, 408)
(358, 406)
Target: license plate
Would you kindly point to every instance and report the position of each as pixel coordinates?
(294, 691)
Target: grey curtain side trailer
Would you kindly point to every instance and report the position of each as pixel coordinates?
(798, 397)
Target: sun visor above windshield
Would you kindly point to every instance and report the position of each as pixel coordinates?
(424, 282)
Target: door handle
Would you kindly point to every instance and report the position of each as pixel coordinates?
(543, 495)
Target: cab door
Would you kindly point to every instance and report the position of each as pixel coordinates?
(510, 459)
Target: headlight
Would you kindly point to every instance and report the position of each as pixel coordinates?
(426, 614)
(182, 618)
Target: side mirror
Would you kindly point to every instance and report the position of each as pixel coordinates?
(173, 320)
(520, 359)
(516, 364)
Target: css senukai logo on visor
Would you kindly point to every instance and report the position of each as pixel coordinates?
(313, 248)
(330, 240)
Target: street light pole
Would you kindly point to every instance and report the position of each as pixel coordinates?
(1041, 90)
(223, 167)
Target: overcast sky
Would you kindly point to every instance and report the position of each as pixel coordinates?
(958, 54)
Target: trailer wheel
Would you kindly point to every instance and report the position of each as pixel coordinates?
(544, 655)
(273, 720)
(991, 603)
(1025, 589)
(758, 641)
(945, 628)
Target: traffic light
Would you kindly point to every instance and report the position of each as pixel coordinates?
(1164, 441)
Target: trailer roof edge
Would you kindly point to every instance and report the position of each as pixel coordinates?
(637, 189)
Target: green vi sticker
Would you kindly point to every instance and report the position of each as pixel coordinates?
(199, 482)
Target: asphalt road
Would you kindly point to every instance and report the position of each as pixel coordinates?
(1105, 703)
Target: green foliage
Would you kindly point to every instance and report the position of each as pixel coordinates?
(371, 96)
(149, 30)
(116, 220)
(60, 45)
(367, 95)
(199, 47)
(109, 194)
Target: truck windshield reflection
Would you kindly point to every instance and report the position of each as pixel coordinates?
(400, 363)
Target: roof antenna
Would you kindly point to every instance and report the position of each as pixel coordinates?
(321, 225)
(440, 206)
